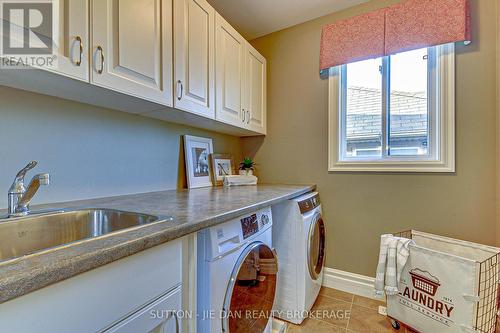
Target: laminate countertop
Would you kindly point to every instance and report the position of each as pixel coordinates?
(191, 210)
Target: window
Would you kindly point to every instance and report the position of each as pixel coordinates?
(394, 113)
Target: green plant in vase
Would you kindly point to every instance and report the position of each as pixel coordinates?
(247, 167)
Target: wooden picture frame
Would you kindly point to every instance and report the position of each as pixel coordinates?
(197, 151)
(222, 165)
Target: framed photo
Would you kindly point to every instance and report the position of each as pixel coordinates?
(197, 151)
(222, 165)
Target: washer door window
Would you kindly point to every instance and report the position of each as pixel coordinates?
(250, 295)
(316, 247)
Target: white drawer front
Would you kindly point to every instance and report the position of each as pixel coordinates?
(158, 317)
(94, 300)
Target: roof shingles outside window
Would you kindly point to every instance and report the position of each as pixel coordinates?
(364, 120)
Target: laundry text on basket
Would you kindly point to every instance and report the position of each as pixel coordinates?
(429, 302)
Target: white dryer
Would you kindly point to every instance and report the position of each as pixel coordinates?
(237, 274)
(299, 239)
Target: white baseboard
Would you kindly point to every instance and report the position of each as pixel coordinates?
(349, 282)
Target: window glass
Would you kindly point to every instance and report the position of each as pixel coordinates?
(364, 109)
(408, 107)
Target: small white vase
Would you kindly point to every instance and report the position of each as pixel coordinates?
(246, 172)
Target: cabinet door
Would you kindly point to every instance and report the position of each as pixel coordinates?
(194, 23)
(73, 39)
(230, 63)
(255, 90)
(132, 47)
(159, 317)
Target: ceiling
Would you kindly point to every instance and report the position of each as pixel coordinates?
(256, 18)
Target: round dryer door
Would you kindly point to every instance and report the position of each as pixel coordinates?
(316, 247)
(250, 295)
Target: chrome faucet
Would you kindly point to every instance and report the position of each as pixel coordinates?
(20, 196)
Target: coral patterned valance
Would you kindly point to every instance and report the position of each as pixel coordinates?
(409, 25)
(414, 24)
(354, 39)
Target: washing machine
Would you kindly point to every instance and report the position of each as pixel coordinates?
(237, 275)
(299, 239)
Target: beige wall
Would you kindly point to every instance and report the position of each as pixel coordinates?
(90, 151)
(358, 207)
(497, 2)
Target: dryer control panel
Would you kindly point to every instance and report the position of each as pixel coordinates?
(309, 204)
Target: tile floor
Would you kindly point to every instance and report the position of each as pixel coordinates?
(364, 317)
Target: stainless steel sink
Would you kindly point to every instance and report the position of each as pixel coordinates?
(22, 236)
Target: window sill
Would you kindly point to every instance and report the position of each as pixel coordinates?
(394, 166)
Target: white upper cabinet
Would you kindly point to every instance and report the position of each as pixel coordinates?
(132, 47)
(230, 71)
(240, 80)
(194, 23)
(255, 90)
(73, 39)
(174, 60)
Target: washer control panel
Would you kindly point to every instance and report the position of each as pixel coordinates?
(249, 226)
(226, 237)
(252, 224)
(265, 219)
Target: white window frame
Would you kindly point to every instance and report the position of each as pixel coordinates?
(441, 156)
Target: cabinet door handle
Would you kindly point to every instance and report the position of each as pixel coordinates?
(180, 85)
(80, 42)
(174, 314)
(171, 314)
(243, 115)
(248, 116)
(100, 70)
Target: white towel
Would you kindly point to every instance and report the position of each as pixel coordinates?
(236, 180)
(382, 259)
(394, 252)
